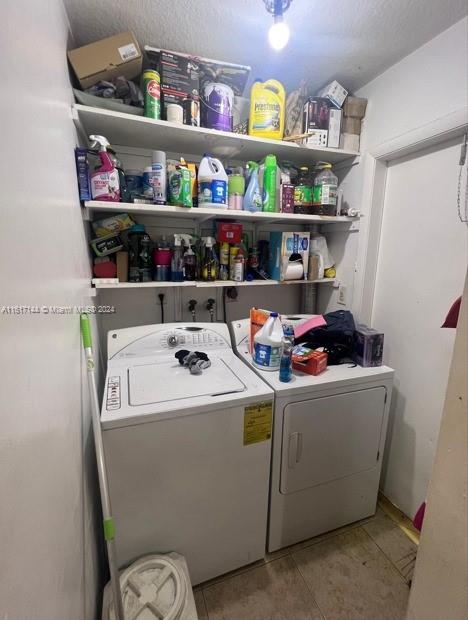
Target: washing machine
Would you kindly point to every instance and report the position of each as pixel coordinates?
(328, 441)
(188, 456)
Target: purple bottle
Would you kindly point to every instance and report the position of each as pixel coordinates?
(217, 106)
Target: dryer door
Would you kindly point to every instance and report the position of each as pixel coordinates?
(329, 438)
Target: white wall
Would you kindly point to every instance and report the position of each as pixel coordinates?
(420, 89)
(47, 515)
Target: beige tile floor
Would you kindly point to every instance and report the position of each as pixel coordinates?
(359, 572)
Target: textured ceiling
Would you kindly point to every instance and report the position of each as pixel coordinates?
(350, 40)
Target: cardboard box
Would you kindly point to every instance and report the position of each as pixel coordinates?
(121, 259)
(349, 142)
(308, 360)
(316, 137)
(228, 232)
(316, 113)
(334, 128)
(282, 246)
(355, 107)
(335, 93)
(352, 125)
(82, 173)
(368, 346)
(322, 120)
(180, 75)
(287, 198)
(107, 59)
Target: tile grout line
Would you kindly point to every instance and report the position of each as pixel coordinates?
(205, 605)
(393, 565)
(307, 586)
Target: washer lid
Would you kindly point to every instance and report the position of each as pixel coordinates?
(167, 381)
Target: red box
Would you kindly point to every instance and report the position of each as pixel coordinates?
(228, 232)
(314, 364)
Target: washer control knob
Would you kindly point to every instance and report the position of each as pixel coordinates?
(172, 340)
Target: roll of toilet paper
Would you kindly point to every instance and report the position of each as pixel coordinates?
(294, 271)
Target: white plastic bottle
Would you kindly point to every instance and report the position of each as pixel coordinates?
(212, 184)
(268, 344)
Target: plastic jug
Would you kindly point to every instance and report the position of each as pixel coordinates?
(268, 344)
(325, 191)
(267, 110)
(212, 183)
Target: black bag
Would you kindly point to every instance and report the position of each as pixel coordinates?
(336, 337)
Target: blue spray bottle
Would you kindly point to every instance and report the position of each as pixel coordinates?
(253, 195)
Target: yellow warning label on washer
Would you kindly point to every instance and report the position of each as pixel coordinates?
(257, 422)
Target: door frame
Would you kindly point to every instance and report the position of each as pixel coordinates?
(375, 162)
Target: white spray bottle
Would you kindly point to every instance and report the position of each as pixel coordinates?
(105, 179)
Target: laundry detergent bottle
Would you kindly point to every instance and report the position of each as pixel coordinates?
(267, 110)
(268, 344)
(270, 182)
(105, 179)
(253, 196)
(212, 183)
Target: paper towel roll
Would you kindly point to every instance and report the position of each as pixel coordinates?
(294, 271)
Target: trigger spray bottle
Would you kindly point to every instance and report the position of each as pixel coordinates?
(177, 261)
(105, 179)
(209, 271)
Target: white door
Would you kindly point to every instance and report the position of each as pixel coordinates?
(328, 438)
(420, 272)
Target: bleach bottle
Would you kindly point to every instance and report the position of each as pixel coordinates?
(268, 344)
(212, 183)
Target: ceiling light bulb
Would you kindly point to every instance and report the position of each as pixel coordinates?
(278, 35)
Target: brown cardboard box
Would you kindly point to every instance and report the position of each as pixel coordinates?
(352, 125)
(355, 107)
(122, 266)
(106, 59)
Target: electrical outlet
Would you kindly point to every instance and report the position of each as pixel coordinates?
(342, 295)
(231, 294)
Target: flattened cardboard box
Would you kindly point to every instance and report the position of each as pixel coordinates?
(106, 59)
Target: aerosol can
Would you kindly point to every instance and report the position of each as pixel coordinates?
(105, 179)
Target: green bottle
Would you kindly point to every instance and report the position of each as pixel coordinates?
(269, 184)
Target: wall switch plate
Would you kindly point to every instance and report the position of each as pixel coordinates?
(342, 295)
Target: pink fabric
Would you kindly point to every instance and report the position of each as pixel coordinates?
(451, 319)
(419, 517)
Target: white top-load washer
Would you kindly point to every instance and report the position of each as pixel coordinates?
(328, 441)
(188, 456)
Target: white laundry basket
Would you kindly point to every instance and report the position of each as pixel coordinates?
(155, 587)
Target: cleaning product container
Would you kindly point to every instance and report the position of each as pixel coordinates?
(212, 183)
(270, 184)
(268, 344)
(236, 188)
(267, 110)
(104, 181)
(217, 106)
(253, 196)
(154, 587)
(325, 195)
(158, 168)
